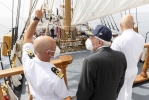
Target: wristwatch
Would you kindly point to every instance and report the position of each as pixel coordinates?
(36, 18)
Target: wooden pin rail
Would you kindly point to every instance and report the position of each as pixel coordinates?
(144, 76)
(61, 63)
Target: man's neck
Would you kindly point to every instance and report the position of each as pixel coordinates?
(124, 29)
(44, 59)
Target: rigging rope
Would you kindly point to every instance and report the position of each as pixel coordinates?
(107, 22)
(137, 18)
(111, 23)
(12, 26)
(114, 23)
(104, 21)
(101, 21)
(18, 12)
(22, 12)
(17, 21)
(47, 28)
(121, 14)
(33, 7)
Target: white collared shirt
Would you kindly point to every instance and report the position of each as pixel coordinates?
(131, 44)
(44, 84)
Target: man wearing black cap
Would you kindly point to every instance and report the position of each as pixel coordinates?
(103, 72)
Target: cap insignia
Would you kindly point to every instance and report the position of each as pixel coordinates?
(89, 32)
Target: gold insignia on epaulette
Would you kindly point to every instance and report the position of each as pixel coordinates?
(30, 54)
(57, 72)
(89, 32)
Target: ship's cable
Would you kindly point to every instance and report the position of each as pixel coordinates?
(33, 7)
(114, 22)
(137, 18)
(111, 23)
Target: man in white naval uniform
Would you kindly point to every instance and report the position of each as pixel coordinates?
(131, 44)
(45, 81)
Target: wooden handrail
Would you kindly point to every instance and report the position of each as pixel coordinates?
(62, 61)
(11, 71)
(144, 76)
(146, 45)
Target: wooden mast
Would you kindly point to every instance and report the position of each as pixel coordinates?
(67, 17)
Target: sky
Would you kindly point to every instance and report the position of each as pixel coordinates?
(5, 4)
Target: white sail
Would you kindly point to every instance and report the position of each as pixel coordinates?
(87, 10)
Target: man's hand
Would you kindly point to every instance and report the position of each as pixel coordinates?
(32, 27)
(39, 13)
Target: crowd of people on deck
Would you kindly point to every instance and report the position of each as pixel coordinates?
(107, 74)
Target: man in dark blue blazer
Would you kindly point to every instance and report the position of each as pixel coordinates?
(103, 72)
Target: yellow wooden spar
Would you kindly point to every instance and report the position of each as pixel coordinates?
(144, 76)
(8, 40)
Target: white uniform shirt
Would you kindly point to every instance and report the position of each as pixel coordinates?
(131, 44)
(44, 84)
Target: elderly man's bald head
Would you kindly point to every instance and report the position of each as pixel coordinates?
(44, 43)
(127, 22)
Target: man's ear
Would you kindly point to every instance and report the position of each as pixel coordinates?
(121, 26)
(47, 52)
(100, 42)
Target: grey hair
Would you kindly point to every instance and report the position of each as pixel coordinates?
(105, 43)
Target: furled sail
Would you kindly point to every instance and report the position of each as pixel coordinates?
(87, 10)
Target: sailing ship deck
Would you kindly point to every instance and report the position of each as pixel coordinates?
(140, 91)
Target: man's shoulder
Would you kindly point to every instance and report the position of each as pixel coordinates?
(141, 37)
(118, 52)
(118, 39)
(28, 44)
(57, 73)
(96, 56)
(52, 72)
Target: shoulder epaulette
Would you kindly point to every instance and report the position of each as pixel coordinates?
(30, 54)
(57, 72)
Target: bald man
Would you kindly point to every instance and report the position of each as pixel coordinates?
(41, 75)
(131, 44)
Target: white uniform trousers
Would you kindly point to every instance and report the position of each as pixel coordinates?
(126, 90)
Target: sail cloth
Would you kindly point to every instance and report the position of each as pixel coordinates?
(87, 10)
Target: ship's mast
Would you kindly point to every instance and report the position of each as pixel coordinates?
(67, 17)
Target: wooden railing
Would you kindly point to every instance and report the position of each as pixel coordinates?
(144, 76)
(61, 63)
